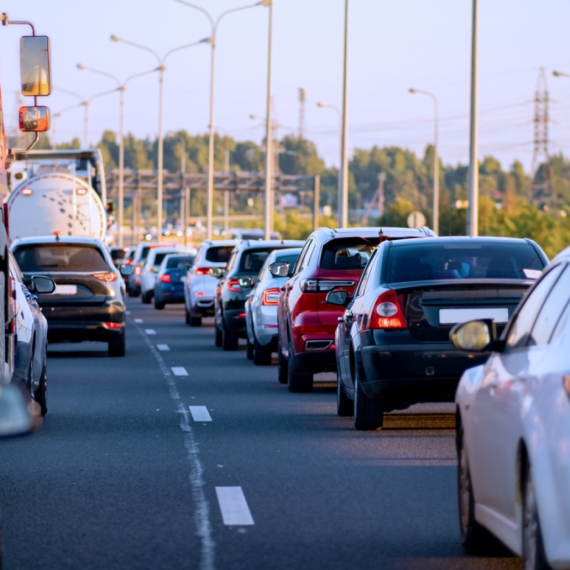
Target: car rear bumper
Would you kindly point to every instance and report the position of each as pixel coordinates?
(169, 293)
(234, 320)
(316, 361)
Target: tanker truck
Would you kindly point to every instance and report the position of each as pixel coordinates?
(59, 192)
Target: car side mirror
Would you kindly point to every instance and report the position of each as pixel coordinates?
(17, 416)
(475, 336)
(126, 270)
(279, 269)
(341, 298)
(245, 281)
(216, 272)
(42, 284)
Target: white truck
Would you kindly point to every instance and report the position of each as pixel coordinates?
(59, 192)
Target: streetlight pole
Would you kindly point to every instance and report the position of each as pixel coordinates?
(343, 193)
(269, 202)
(160, 159)
(473, 181)
(435, 160)
(121, 89)
(212, 42)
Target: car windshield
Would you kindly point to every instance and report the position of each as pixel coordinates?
(348, 253)
(252, 260)
(59, 257)
(174, 260)
(219, 254)
(428, 260)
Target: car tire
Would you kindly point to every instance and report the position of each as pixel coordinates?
(344, 405)
(229, 339)
(187, 315)
(261, 355)
(281, 365)
(195, 321)
(133, 293)
(474, 538)
(40, 395)
(297, 381)
(217, 335)
(118, 345)
(534, 557)
(146, 297)
(368, 412)
(249, 349)
(158, 304)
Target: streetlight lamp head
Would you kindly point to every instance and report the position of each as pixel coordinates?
(265, 3)
(319, 104)
(208, 40)
(81, 66)
(117, 38)
(557, 74)
(412, 90)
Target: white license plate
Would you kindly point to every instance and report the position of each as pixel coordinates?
(454, 316)
(65, 290)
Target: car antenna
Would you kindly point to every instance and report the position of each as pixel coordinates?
(382, 236)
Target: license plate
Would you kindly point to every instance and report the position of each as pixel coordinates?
(454, 316)
(65, 290)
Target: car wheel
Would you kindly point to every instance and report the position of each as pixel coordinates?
(133, 293)
(218, 335)
(249, 349)
(534, 557)
(195, 321)
(261, 355)
(158, 304)
(281, 365)
(473, 535)
(368, 412)
(118, 345)
(40, 395)
(187, 315)
(344, 405)
(146, 297)
(229, 339)
(297, 381)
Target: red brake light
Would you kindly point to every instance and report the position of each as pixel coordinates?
(233, 285)
(166, 278)
(270, 297)
(113, 325)
(387, 313)
(108, 276)
(202, 271)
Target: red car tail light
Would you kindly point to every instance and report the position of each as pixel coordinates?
(166, 278)
(202, 271)
(108, 276)
(113, 325)
(270, 297)
(322, 285)
(138, 270)
(233, 285)
(387, 313)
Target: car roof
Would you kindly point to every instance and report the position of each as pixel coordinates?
(456, 239)
(220, 243)
(390, 232)
(286, 251)
(62, 240)
(276, 243)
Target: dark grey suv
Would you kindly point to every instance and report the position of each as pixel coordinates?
(235, 284)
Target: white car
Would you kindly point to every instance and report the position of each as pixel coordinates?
(150, 269)
(261, 306)
(513, 427)
(200, 286)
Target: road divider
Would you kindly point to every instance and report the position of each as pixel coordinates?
(200, 414)
(233, 506)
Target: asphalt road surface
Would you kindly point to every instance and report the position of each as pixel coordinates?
(183, 456)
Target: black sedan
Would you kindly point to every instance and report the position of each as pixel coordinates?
(89, 299)
(392, 343)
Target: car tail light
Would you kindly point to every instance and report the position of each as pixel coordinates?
(322, 285)
(128, 262)
(233, 285)
(138, 270)
(387, 313)
(166, 278)
(270, 297)
(202, 271)
(113, 325)
(108, 276)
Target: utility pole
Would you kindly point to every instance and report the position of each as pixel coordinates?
(302, 99)
(343, 190)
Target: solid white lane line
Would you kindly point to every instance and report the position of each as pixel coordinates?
(200, 414)
(162, 347)
(138, 320)
(233, 506)
(149, 331)
(196, 476)
(179, 371)
(128, 312)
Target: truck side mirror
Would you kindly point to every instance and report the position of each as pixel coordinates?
(34, 119)
(35, 66)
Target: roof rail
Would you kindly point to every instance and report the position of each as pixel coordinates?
(429, 231)
(329, 230)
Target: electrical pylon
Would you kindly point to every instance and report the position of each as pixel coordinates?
(302, 99)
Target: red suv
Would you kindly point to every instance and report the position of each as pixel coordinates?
(331, 259)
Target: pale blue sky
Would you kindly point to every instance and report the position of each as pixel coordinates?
(393, 45)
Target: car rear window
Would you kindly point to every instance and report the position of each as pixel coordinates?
(252, 260)
(173, 261)
(59, 257)
(117, 254)
(160, 256)
(348, 253)
(428, 260)
(219, 254)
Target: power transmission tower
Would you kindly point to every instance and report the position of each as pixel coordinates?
(541, 191)
(302, 99)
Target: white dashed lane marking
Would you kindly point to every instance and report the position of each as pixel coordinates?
(162, 347)
(179, 371)
(138, 320)
(149, 331)
(233, 506)
(200, 414)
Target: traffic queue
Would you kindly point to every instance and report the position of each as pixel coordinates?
(405, 317)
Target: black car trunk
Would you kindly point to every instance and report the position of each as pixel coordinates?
(73, 289)
(431, 310)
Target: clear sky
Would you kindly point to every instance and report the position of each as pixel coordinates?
(394, 45)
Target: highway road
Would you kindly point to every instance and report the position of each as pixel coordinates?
(183, 456)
